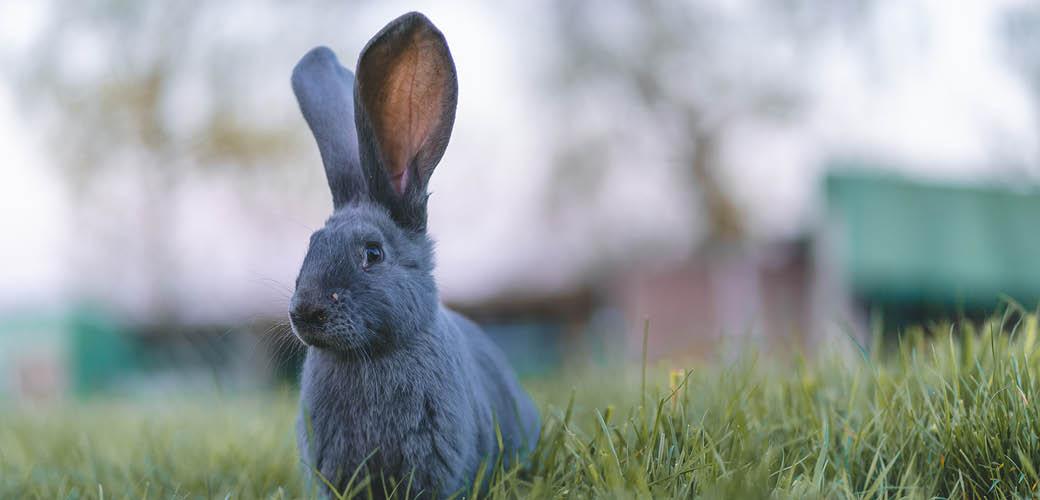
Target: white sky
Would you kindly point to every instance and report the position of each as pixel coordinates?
(941, 105)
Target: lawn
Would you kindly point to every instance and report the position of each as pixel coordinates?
(950, 412)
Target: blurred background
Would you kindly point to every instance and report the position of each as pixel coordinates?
(786, 172)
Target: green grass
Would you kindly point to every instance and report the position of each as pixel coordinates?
(952, 412)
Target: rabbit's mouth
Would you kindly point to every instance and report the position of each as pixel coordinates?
(343, 338)
(311, 335)
(308, 337)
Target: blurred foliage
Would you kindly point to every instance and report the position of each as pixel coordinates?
(1021, 30)
(115, 78)
(150, 93)
(683, 74)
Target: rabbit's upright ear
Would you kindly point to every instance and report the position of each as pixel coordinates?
(325, 91)
(405, 99)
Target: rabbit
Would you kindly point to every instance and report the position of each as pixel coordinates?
(394, 384)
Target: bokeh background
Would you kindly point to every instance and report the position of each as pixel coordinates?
(789, 173)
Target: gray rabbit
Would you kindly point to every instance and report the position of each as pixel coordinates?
(394, 384)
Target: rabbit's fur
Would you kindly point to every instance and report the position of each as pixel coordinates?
(394, 384)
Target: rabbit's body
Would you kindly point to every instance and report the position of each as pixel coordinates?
(395, 386)
(426, 412)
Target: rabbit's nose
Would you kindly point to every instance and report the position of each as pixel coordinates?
(306, 312)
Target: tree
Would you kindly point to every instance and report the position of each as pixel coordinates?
(157, 91)
(684, 73)
(1021, 35)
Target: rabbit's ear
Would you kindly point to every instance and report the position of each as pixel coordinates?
(325, 91)
(406, 95)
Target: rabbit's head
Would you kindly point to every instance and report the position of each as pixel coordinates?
(366, 283)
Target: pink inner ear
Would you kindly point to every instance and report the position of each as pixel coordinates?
(399, 180)
(407, 101)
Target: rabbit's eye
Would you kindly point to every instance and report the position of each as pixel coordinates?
(372, 254)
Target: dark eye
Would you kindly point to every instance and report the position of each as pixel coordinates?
(372, 254)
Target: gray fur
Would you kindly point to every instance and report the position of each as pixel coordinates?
(324, 89)
(390, 371)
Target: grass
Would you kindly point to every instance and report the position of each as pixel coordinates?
(950, 413)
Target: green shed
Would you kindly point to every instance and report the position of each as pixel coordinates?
(919, 249)
(48, 354)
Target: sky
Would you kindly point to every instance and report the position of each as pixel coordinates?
(31, 198)
(935, 99)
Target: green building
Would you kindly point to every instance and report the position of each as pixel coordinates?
(46, 355)
(918, 250)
